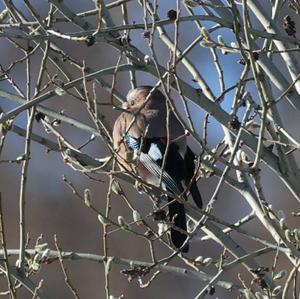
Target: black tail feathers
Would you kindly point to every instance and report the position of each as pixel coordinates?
(189, 173)
(177, 213)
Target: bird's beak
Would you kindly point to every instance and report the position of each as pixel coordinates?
(123, 107)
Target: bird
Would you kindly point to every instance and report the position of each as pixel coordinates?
(141, 132)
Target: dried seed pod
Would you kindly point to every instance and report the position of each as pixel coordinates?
(255, 56)
(146, 34)
(149, 233)
(122, 222)
(147, 59)
(241, 61)
(207, 44)
(4, 13)
(260, 296)
(90, 40)
(108, 264)
(289, 26)
(41, 247)
(116, 187)
(20, 159)
(103, 220)
(190, 226)
(282, 223)
(191, 3)
(136, 216)
(39, 116)
(280, 275)
(87, 197)
(56, 122)
(224, 51)
(233, 45)
(60, 91)
(207, 261)
(289, 235)
(234, 123)
(211, 290)
(205, 34)
(221, 40)
(172, 15)
(249, 295)
(296, 235)
(276, 291)
(45, 254)
(199, 259)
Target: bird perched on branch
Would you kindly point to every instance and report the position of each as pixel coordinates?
(157, 141)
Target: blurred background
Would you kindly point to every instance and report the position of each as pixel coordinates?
(51, 208)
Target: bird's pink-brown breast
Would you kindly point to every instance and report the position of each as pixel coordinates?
(147, 124)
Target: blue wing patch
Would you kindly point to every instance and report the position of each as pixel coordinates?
(132, 142)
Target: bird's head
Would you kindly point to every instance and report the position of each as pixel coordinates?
(136, 98)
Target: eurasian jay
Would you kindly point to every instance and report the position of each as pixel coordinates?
(142, 131)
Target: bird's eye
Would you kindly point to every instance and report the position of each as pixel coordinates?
(131, 103)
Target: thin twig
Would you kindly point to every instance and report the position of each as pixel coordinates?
(5, 255)
(64, 270)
